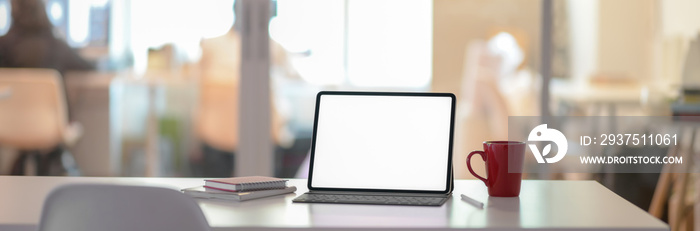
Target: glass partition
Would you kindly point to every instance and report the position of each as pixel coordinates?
(161, 93)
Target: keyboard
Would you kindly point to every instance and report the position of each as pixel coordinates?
(370, 199)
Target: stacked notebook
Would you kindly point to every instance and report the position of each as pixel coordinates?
(240, 188)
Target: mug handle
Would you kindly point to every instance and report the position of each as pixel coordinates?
(469, 164)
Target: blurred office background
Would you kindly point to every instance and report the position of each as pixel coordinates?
(195, 88)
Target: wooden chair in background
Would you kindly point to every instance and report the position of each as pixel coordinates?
(671, 196)
(34, 119)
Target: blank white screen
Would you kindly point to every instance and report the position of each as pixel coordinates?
(382, 142)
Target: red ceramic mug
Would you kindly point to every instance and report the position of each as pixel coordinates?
(498, 155)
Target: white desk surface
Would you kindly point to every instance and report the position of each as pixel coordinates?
(554, 205)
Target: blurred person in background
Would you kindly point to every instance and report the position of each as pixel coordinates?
(217, 114)
(31, 42)
(496, 84)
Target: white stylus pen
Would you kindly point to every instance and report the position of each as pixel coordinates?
(475, 203)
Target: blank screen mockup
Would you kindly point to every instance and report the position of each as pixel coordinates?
(382, 142)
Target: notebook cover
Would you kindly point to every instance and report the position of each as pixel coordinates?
(246, 179)
(253, 183)
(202, 192)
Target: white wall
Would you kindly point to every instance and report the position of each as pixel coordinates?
(680, 24)
(626, 38)
(680, 17)
(583, 38)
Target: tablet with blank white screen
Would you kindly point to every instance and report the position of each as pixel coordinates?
(382, 142)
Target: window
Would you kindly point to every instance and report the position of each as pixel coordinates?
(5, 18)
(358, 44)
